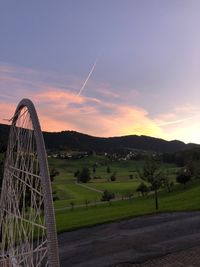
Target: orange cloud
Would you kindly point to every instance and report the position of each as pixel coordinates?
(69, 111)
(62, 109)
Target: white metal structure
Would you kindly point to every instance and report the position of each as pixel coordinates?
(27, 223)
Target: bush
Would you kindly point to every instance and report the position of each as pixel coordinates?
(130, 176)
(53, 173)
(113, 177)
(55, 197)
(107, 196)
(143, 189)
(76, 173)
(84, 175)
(108, 169)
(184, 176)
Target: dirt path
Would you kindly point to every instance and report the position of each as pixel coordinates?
(132, 241)
(89, 187)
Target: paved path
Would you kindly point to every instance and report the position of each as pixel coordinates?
(132, 241)
(189, 258)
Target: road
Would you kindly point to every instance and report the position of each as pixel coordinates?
(130, 241)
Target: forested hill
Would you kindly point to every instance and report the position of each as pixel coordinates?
(83, 142)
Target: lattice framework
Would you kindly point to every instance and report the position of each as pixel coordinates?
(27, 223)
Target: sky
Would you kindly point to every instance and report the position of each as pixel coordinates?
(104, 67)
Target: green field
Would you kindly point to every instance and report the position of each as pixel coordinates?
(96, 212)
(178, 200)
(67, 190)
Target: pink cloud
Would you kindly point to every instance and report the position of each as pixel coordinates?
(62, 109)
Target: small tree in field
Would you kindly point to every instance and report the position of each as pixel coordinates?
(107, 196)
(131, 176)
(94, 169)
(151, 173)
(86, 203)
(53, 173)
(184, 176)
(113, 177)
(143, 189)
(166, 183)
(76, 173)
(108, 169)
(84, 175)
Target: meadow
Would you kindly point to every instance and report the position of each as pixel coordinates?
(127, 179)
(97, 212)
(88, 209)
(181, 199)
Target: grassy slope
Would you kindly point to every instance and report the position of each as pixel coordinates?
(179, 200)
(68, 191)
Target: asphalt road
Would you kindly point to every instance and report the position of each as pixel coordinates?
(130, 241)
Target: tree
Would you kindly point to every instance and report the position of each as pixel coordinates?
(194, 168)
(94, 169)
(152, 174)
(84, 175)
(131, 176)
(107, 196)
(167, 183)
(143, 189)
(53, 173)
(76, 173)
(113, 177)
(108, 169)
(86, 203)
(184, 176)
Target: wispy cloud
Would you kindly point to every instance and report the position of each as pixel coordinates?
(165, 123)
(102, 114)
(181, 123)
(62, 109)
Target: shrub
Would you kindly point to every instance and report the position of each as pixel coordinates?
(143, 189)
(184, 176)
(113, 177)
(107, 196)
(84, 175)
(53, 173)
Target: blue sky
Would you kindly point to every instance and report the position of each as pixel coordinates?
(146, 79)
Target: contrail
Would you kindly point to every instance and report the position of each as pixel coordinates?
(176, 121)
(88, 77)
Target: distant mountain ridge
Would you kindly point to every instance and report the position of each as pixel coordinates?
(84, 142)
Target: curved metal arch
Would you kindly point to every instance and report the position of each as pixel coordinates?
(52, 244)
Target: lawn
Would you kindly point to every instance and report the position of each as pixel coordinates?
(67, 191)
(181, 199)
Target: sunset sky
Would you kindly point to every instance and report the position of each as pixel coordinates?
(143, 57)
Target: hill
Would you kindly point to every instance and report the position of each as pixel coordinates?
(83, 142)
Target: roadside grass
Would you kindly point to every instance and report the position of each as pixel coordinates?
(181, 199)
